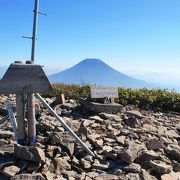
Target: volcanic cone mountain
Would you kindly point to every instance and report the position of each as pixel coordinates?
(95, 72)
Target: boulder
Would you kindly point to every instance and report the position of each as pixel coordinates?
(10, 170)
(97, 119)
(154, 144)
(98, 143)
(145, 157)
(6, 134)
(132, 122)
(29, 153)
(112, 117)
(160, 167)
(132, 168)
(100, 165)
(105, 176)
(6, 160)
(85, 164)
(146, 176)
(132, 176)
(37, 176)
(173, 151)
(60, 165)
(171, 176)
(130, 153)
(135, 114)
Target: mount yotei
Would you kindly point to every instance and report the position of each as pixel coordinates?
(95, 72)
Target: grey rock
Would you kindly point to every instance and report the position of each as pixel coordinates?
(6, 134)
(3, 142)
(100, 165)
(132, 122)
(160, 167)
(107, 149)
(154, 144)
(65, 141)
(120, 139)
(60, 165)
(29, 153)
(10, 170)
(144, 175)
(149, 128)
(92, 174)
(67, 106)
(22, 164)
(172, 134)
(70, 174)
(73, 124)
(132, 176)
(50, 175)
(112, 117)
(78, 169)
(97, 119)
(85, 164)
(132, 168)
(135, 114)
(130, 153)
(173, 151)
(167, 141)
(87, 122)
(75, 161)
(6, 160)
(33, 166)
(110, 140)
(93, 136)
(106, 177)
(46, 166)
(145, 157)
(176, 165)
(98, 143)
(171, 176)
(162, 131)
(37, 176)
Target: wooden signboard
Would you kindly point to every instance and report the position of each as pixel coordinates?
(102, 92)
(24, 78)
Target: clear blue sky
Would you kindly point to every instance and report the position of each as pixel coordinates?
(126, 34)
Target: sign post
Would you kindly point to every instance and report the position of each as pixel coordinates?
(24, 80)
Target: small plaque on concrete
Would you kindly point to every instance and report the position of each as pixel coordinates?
(102, 100)
(102, 92)
(24, 78)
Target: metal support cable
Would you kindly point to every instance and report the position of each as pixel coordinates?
(64, 124)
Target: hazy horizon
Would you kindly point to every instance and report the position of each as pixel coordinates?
(163, 79)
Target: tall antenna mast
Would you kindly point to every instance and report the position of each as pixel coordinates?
(36, 8)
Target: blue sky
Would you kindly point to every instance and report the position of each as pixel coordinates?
(135, 36)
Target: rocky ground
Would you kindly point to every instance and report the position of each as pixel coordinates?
(130, 145)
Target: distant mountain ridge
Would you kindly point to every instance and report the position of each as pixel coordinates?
(95, 71)
(2, 71)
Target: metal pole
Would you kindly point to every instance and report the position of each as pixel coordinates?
(30, 96)
(36, 7)
(64, 124)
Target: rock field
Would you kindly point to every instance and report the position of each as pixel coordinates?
(133, 144)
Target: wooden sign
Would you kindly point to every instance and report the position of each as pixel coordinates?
(24, 78)
(102, 92)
